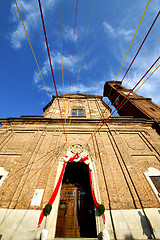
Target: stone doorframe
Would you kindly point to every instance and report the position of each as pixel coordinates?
(52, 218)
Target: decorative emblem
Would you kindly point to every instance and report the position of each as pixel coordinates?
(76, 148)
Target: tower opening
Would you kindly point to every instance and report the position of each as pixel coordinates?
(76, 215)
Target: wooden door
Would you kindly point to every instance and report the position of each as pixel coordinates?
(76, 217)
(67, 222)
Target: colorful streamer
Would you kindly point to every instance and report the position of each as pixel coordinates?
(62, 63)
(132, 42)
(136, 54)
(81, 61)
(32, 49)
(51, 64)
(125, 98)
(54, 194)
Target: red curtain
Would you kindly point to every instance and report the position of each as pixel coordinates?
(54, 194)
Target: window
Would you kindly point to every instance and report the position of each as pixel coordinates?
(118, 87)
(152, 109)
(117, 102)
(77, 113)
(156, 182)
(126, 93)
(153, 177)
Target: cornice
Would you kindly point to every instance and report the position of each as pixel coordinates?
(41, 119)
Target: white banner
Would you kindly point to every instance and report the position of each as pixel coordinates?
(37, 197)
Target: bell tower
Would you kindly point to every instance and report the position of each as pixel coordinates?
(136, 106)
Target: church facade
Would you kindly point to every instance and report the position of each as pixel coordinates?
(120, 166)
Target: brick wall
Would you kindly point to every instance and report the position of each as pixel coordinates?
(121, 156)
(123, 149)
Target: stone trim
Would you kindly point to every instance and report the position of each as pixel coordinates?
(99, 219)
(52, 218)
(129, 224)
(4, 174)
(152, 172)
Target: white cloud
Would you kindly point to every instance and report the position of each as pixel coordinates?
(155, 5)
(126, 34)
(68, 34)
(49, 4)
(49, 89)
(30, 15)
(141, 64)
(36, 77)
(44, 71)
(150, 89)
(57, 64)
(17, 37)
(90, 88)
(108, 28)
(57, 60)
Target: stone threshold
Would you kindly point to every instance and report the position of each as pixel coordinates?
(70, 238)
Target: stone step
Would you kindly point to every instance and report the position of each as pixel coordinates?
(81, 238)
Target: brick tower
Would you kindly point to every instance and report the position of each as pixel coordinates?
(136, 106)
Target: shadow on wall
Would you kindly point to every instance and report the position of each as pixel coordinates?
(159, 211)
(147, 227)
(0, 237)
(128, 237)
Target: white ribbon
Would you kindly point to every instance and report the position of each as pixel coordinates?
(88, 161)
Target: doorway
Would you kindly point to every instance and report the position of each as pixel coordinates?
(76, 216)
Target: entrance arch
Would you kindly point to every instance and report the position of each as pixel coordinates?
(76, 215)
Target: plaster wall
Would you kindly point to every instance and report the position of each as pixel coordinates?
(129, 224)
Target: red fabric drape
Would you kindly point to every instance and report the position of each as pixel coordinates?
(77, 156)
(73, 158)
(93, 195)
(104, 218)
(84, 159)
(54, 194)
(92, 191)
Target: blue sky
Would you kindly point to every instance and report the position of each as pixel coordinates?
(112, 27)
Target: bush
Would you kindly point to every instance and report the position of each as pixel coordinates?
(101, 209)
(47, 209)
